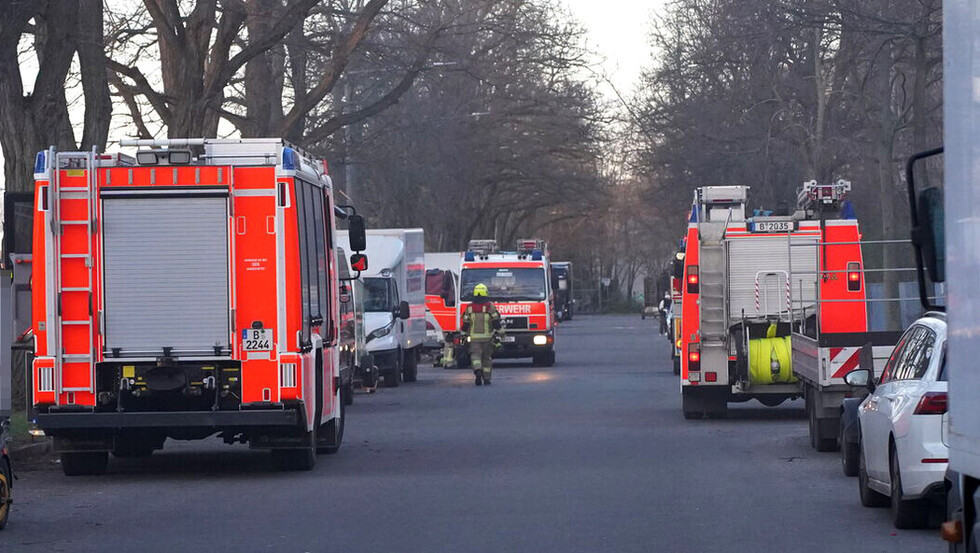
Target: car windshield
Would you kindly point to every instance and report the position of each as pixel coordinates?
(505, 283)
(378, 295)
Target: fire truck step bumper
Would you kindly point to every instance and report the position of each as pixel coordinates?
(167, 419)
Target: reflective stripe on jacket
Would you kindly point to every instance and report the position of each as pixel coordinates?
(480, 320)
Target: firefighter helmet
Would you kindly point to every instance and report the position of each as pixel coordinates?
(480, 290)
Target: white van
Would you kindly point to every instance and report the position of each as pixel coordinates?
(394, 301)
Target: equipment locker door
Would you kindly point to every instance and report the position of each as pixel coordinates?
(166, 274)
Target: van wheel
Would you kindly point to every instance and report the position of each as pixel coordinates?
(297, 459)
(5, 494)
(869, 497)
(84, 463)
(906, 514)
(410, 362)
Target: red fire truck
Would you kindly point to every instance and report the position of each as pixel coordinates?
(519, 286)
(751, 282)
(187, 291)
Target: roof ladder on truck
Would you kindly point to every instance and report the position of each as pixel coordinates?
(73, 225)
(721, 205)
(714, 329)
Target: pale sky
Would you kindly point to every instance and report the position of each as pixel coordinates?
(617, 32)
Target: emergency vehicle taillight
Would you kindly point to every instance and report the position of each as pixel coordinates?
(694, 356)
(853, 276)
(693, 280)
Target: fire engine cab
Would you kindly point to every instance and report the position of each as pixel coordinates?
(519, 286)
(751, 281)
(187, 291)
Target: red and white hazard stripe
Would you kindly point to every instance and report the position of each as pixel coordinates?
(847, 358)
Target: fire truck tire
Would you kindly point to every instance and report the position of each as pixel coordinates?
(84, 463)
(334, 429)
(5, 495)
(677, 366)
(717, 409)
(546, 359)
(296, 459)
(132, 450)
(869, 497)
(820, 438)
(348, 394)
(410, 364)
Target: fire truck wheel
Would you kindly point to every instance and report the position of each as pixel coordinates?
(410, 372)
(335, 430)
(296, 459)
(5, 495)
(348, 393)
(677, 366)
(817, 427)
(546, 359)
(84, 463)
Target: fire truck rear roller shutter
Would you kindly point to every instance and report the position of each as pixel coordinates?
(166, 274)
(748, 256)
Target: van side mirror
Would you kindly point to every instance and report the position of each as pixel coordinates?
(356, 233)
(403, 311)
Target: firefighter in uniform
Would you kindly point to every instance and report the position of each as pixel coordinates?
(481, 324)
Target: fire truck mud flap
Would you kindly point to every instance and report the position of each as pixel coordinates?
(705, 402)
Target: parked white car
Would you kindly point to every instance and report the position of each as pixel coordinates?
(903, 422)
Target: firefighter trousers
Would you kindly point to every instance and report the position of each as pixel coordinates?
(481, 352)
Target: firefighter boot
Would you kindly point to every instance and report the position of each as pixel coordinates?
(479, 376)
(486, 377)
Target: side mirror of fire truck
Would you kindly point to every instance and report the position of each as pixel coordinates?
(358, 262)
(356, 234)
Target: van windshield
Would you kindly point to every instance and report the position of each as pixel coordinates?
(505, 284)
(379, 295)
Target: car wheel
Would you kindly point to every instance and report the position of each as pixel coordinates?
(848, 454)
(869, 497)
(906, 514)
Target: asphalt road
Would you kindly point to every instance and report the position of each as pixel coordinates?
(592, 455)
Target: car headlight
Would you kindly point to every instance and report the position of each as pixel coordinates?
(540, 339)
(380, 332)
